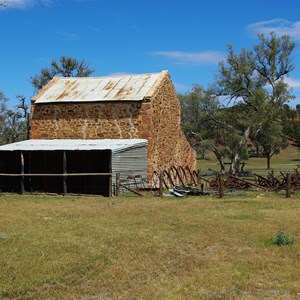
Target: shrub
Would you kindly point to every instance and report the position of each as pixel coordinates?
(281, 239)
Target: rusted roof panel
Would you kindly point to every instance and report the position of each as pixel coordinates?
(108, 88)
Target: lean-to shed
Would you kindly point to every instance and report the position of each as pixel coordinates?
(70, 166)
(130, 106)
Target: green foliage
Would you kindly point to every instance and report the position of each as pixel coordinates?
(202, 122)
(197, 107)
(66, 67)
(256, 76)
(295, 133)
(282, 239)
(254, 80)
(291, 123)
(271, 138)
(211, 127)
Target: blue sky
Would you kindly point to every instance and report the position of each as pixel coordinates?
(186, 37)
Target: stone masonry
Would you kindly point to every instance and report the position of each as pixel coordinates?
(156, 118)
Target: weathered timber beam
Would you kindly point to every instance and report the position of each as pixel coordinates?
(68, 174)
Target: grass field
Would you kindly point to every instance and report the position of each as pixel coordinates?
(149, 248)
(288, 159)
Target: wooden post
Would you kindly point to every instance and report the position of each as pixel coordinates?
(110, 177)
(29, 171)
(221, 186)
(117, 184)
(161, 184)
(65, 187)
(288, 186)
(22, 173)
(202, 188)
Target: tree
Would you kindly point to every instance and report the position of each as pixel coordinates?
(3, 109)
(291, 128)
(271, 138)
(197, 111)
(298, 110)
(13, 122)
(66, 67)
(236, 120)
(211, 127)
(256, 78)
(195, 107)
(296, 132)
(23, 110)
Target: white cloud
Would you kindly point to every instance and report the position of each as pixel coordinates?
(22, 4)
(279, 26)
(293, 83)
(180, 57)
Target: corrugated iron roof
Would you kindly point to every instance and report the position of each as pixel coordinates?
(54, 145)
(108, 88)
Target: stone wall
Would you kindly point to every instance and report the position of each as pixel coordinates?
(168, 145)
(93, 120)
(156, 119)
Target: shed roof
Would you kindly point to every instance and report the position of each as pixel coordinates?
(108, 88)
(54, 145)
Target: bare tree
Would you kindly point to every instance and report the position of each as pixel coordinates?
(14, 122)
(23, 110)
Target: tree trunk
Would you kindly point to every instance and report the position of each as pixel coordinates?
(257, 151)
(222, 170)
(268, 161)
(231, 170)
(236, 161)
(220, 160)
(235, 164)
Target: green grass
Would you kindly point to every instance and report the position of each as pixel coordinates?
(148, 248)
(288, 159)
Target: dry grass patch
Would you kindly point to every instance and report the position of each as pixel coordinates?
(150, 248)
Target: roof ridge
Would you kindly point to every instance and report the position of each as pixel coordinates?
(112, 75)
(103, 88)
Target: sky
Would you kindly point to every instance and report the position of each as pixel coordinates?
(186, 37)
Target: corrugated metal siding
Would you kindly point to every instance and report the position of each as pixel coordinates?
(90, 89)
(130, 162)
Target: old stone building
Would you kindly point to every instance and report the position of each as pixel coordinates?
(141, 106)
